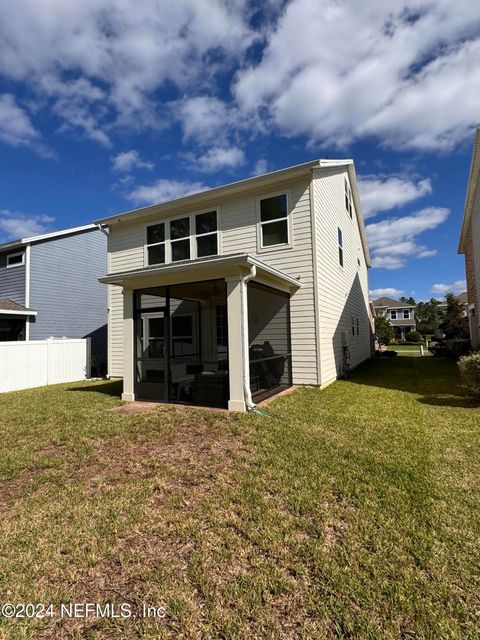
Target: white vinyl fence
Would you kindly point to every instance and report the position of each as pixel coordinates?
(34, 363)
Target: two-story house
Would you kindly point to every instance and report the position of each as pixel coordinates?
(226, 296)
(470, 243)
(400, 315)
(49, 288)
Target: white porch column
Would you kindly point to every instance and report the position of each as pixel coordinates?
(128, 350)
(235, 343)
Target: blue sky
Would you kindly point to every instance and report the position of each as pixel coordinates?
(108, 105)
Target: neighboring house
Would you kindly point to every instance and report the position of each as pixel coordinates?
(470, 243)
(242, 290)
(462, 299)
(442, 307)
(49, 288)
(400, 315)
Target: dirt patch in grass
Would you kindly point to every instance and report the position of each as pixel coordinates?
(147, 562)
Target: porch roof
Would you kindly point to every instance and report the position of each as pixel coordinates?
(204, 269)
(9, 307)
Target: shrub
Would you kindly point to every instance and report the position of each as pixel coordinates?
(470, 372)
(383, 330)
(413, 336)
(457, 348)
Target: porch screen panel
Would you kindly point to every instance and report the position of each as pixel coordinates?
(151, 335)
(198, 354)
(269, 338)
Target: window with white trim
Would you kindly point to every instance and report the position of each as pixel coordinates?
(16, 259)
(156, 243)
(393, 314)
(340, 247)
(406, 314)
(274, 221)
(348, 198)
(180, 239)
(206, 232)
(173, 240)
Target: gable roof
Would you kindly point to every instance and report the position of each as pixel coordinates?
(471, 188)
(462, 299)
(46, 236)
(203, 198)
(390, 302)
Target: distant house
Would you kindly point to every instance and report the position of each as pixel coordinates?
(462, 299)
(223, 297)
(470, 243)
(400, 315)
(49, 287)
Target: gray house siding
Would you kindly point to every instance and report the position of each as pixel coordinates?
(12, 280)
(64, 289)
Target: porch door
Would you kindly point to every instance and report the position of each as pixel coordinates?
(152, 355)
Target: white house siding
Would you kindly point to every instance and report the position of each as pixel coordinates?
(476, 254)
(238, 224)
(125, 253)
(342, 291)
(295, 262)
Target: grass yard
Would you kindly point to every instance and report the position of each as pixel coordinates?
(353, 514)
(404, 347)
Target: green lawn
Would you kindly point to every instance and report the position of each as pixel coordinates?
(353, 514)
(404, 347)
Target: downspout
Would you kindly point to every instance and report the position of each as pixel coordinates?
(245, 343)
(104, 230)
(27, 290)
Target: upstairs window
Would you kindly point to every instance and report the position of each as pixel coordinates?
(16, 259)
(193, 236)
(274, 221)
(406, 314)
(180, 239)
(206, 231)
(353, 326)
(358, 326)
(393, 314)
(348, 198)
(340, 247)
(156, 243)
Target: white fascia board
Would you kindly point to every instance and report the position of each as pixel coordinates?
(199, 265)
(223, 191)
(63, 232)
(358, 210)
(21, 242)
(12, 312)
(471, 188)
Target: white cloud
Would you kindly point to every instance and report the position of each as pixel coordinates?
(383, 193)
(459, 286)
(370, 68)
(164, 190)
(389, 292)
(14, 225)
(216, 159)
(393, 240)
(129, 160)
(204, 119)
(16, 128)
(261, 166)
(125, 50)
